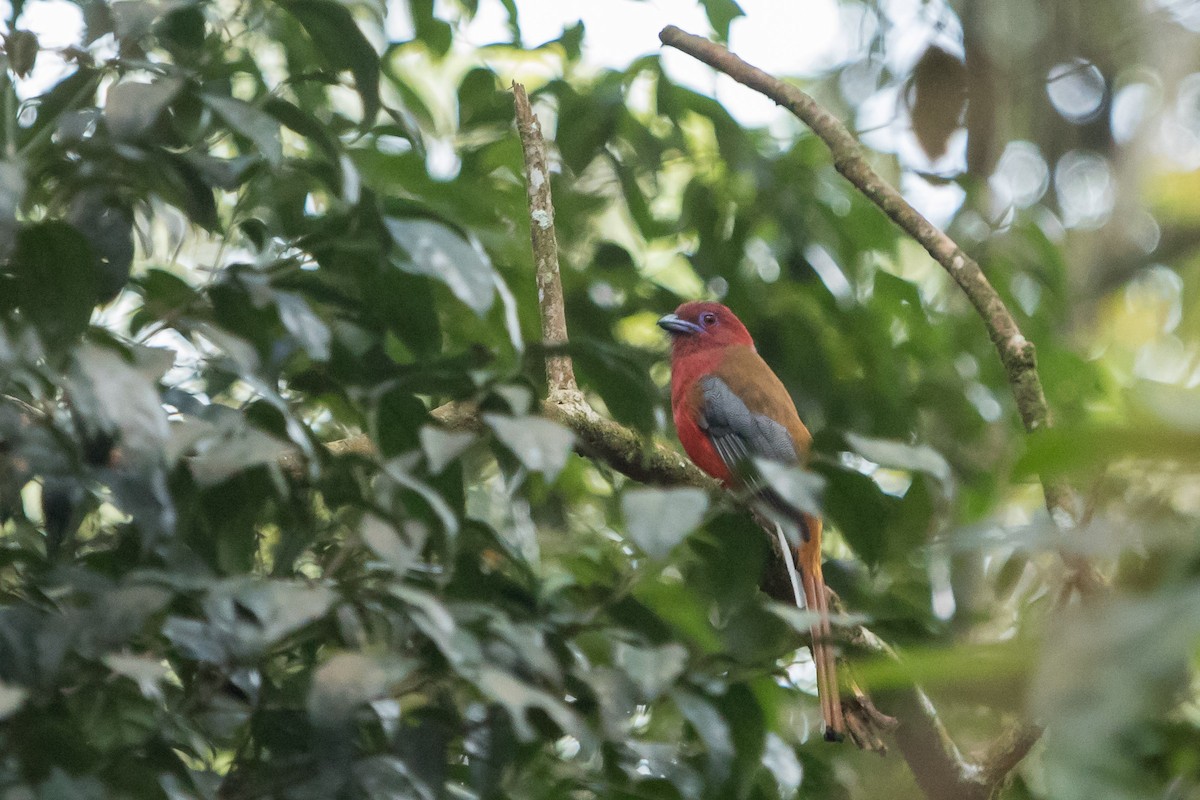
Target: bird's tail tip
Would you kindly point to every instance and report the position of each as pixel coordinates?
(833, 735)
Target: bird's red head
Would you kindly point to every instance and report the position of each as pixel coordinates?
(699, 325)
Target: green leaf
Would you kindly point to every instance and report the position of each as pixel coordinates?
(400, 548)
(441, 447)
(658, 519)
(22, 50)
(712, 729)
(541, 445)
(720, 14)
(653, 670)
(304, 324)
(256, 125)
(519, 698)
(798, 487)
(897, 455)
(434, 250)
(435, 33)
(54, 254)
(12, 192)
(11, 699)
(132, 108)
(342, 44)
(107, 224)
(348, 680)
(147, 673)
(231, 446)
(121, 398)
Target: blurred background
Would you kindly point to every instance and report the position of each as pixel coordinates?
(306, 219)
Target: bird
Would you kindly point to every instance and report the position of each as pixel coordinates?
(730, 409)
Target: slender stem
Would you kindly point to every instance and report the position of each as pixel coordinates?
(560, 372)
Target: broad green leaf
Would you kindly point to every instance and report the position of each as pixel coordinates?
(712, 729)
(108, 227)
(658, 519)
(798, 487)
(11, 699)
(653, 669)
(441, 447)
(434, 250)
(897, 455)
(349, 680)
(720, 14)
(132, 108)
(541, 445)
(781, 761)
(147, 673)
(53, 254)
(304, 324)
(343, 46)
(520, 698)
(399, 547)
(252, 122)
(232, 446)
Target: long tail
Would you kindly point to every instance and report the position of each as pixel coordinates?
(813, 583)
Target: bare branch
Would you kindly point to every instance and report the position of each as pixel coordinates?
(560, 372)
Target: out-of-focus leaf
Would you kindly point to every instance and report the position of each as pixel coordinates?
(251, 122)
(246, 617)
(231, 447)
(11, 699)
(712, 729)
(12, 191)
(658, 519)
(434, 250)
(441, 447)
(53, 254)
(108, 227)
(897, 455)
(541, 445)
(939, 82)
(797, 487)
(1092, 447)
(519, 698)
(21, 47)
(720, 14)
(653, 669)
(780, 760)
(303, 323)
(342, 44)
(434, 32)
(398, 547)
(147, 673)
(132, 108)
(349, 680)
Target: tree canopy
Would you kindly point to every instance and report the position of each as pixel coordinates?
(289, 507)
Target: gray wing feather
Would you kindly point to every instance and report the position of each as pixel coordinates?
(730, 424)
(739, 435)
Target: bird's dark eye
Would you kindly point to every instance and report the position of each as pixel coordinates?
(709, 319)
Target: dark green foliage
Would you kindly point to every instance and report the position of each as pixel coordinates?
(224, 248)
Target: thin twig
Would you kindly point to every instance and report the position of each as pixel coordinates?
(560, 373)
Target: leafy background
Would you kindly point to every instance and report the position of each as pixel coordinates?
(234, 232)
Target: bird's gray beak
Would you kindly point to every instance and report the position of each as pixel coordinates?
(673, 324)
